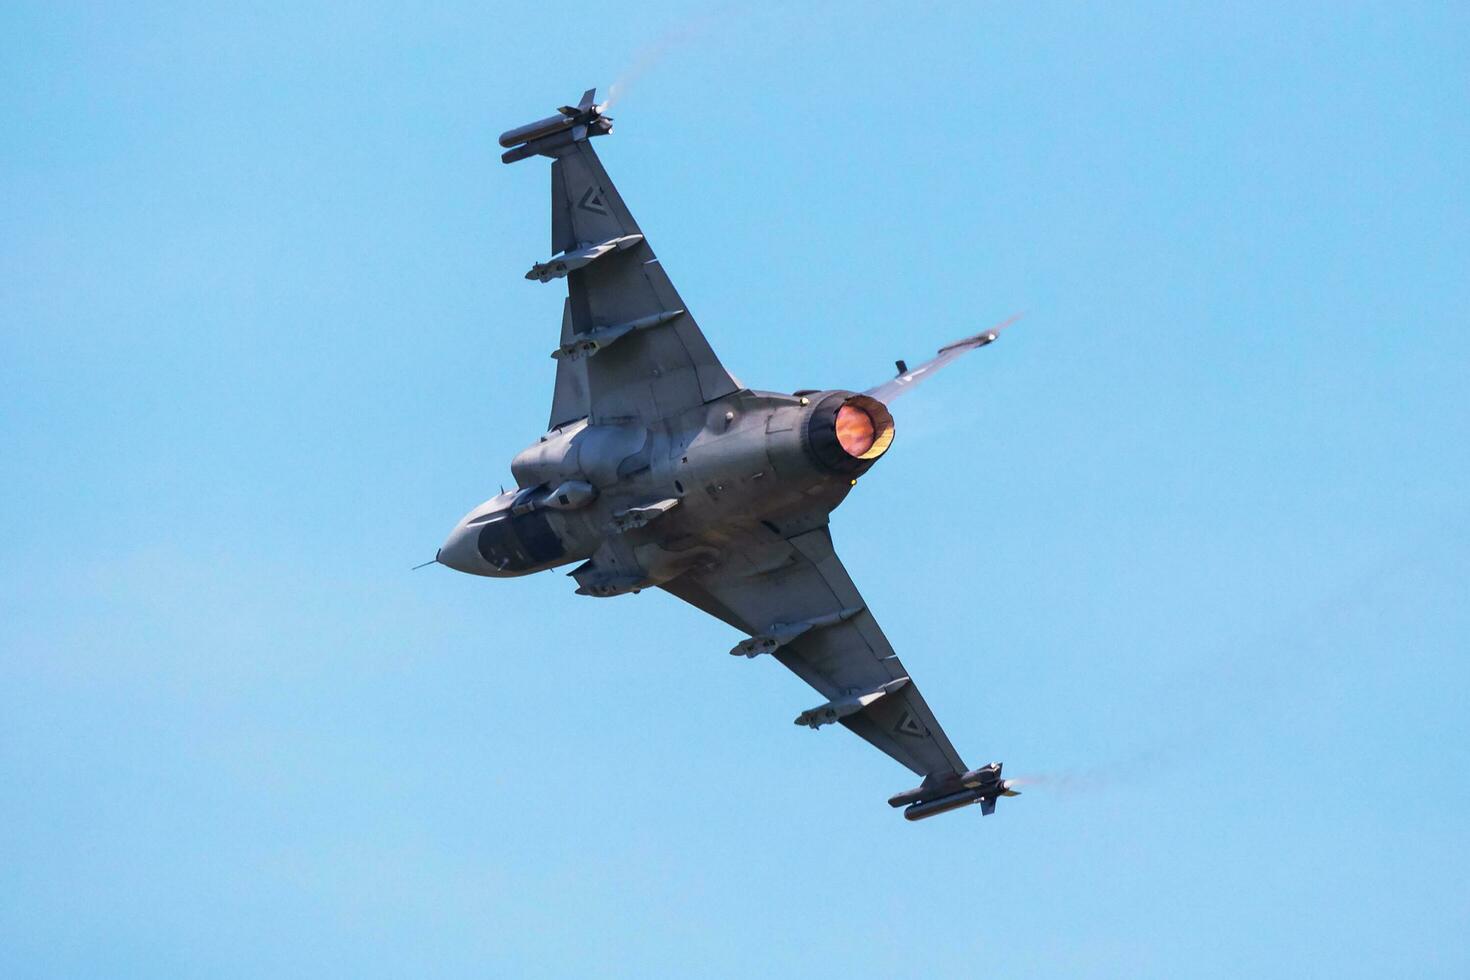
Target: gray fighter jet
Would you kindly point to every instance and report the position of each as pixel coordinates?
(659, 469)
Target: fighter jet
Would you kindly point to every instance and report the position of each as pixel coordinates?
(659, 470)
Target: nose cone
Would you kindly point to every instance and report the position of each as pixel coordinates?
(460, 551)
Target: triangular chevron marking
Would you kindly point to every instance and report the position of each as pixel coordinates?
(909, 725)
(592, 201)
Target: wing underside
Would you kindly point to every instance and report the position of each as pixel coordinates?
(637, 349)
(766, 584)
(569, 400)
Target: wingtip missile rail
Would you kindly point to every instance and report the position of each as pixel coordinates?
(571, 124)
(983, 786)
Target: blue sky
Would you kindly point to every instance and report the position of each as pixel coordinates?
(1190, 546)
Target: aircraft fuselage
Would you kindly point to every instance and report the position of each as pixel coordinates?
(639, 503)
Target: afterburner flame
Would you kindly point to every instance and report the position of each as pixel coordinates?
(855, 430)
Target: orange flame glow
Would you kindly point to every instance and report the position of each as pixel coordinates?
(855, 432)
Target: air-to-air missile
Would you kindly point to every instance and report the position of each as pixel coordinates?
(571, 123)
(982, 786)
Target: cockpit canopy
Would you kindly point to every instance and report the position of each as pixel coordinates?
(518, 542)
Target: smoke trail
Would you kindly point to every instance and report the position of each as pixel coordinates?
(1260, 669)
(649, 56)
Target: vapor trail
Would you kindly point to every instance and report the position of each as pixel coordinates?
(650, 55)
